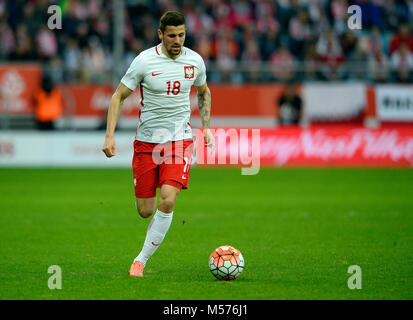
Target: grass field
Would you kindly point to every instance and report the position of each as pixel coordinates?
(298, 229)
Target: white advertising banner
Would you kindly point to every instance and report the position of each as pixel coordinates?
(394, 102)
(66, 149)
(333, 101)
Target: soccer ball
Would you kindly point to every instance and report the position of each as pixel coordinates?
(226, 263)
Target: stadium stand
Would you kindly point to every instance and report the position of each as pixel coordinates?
(267, 41)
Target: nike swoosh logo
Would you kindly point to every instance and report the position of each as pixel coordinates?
(183, 177)
(156, 74)
(155, 244)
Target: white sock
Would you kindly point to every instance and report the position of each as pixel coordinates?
(156, 232)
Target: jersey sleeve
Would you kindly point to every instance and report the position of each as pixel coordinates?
(201, 78)
(134, 74)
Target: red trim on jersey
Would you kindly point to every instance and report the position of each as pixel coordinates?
(156, 48)
(141, 90)
(185, 51)
(139, 116)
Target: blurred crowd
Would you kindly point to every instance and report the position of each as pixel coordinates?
(240, 40)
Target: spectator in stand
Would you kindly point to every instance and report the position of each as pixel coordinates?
(282, 64)
(318, 17)
(316, 13)
(198, 22)
(268, 28)
(403, 36)
(378, 66)
(32, 17)
(46, 43)
(72, 58)
(241, 12)
(373, 40)
(244, 35)
(14, 11)
(82, 34)
(397, 12)
(311, 64)
(93, 62)
(285, 9)
(289, 107)
(221, 14)
(329, 49)
(70, 22)
(251, 58)
(265, 17)
(7, 45)
(352, 55)
(349, 44)
(225, 60)
(299, 32)
(101, 26)
(391, 15)
(204, 46)
(269, 42)
(24, 50)
(225, 38)
(402, 63)
(134, 48)
(338, 12)
(225, 52)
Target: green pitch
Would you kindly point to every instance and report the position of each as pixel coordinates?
(299, 230)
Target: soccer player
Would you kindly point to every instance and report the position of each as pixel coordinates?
(163, 144)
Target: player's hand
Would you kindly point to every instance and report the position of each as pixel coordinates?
(109, 147)
(209, 140)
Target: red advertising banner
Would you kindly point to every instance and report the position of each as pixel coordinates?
(246, 100)
(87, 100)
(321, 101)
(18, 82)
(316, 146)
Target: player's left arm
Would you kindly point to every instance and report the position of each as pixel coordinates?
(204, 107)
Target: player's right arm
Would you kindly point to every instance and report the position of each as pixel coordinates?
(115, 106)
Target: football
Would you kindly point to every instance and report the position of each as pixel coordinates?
(226, 263)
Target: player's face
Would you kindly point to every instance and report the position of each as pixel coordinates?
(173, 39)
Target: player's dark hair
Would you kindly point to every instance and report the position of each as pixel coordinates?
(171, 18)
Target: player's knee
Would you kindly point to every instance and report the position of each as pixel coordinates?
(144, 212)
(167, 198)
(167, 204)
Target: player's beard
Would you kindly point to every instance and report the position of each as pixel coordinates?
(173, 53)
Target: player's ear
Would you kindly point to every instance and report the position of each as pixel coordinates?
(160, 34)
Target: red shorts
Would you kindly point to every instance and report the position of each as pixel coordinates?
(156, 164)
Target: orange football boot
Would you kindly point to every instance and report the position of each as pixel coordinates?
(136, 269)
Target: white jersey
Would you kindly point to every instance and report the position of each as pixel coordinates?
(165, 85)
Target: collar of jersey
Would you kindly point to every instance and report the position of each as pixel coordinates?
(159, 46)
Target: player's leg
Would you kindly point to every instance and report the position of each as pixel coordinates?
(160, 223)
(145, 173)
(172, 178)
